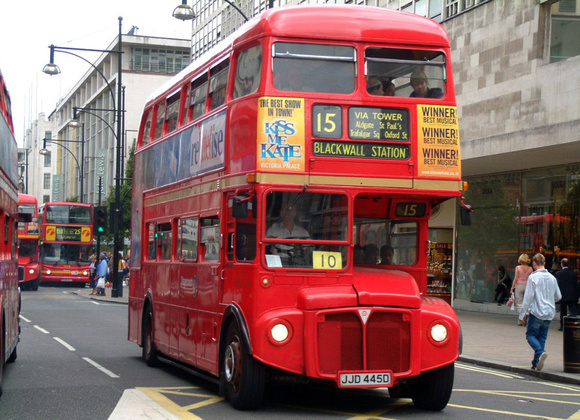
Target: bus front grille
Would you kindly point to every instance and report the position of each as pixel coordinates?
(346, 343)
(20, 273)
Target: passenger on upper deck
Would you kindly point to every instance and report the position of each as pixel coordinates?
(374, 86)
(388, 88)
(421, 88)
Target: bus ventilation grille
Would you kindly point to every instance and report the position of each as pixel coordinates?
(385, 346)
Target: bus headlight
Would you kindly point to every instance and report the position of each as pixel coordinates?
(48, 272)
(279, 332)
(85, 273)
(31, 271)
(439, 332)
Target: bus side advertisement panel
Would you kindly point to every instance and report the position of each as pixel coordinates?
(281, 134)
(438, 141)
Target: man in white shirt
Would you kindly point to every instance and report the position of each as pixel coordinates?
(539, 308)
(286, 228)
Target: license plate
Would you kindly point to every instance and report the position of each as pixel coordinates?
(364, 380)
(67, 280)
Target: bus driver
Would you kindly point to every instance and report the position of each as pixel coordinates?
(285, 227)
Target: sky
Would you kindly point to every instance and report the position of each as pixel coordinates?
(27, 29)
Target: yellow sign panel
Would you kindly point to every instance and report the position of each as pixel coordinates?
(86, 235)
(280, 134)
(438, 141)
(322, 260)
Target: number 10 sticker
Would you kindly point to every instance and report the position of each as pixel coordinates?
(327, 260)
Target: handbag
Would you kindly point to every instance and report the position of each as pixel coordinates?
(101, 283)
(510, 301)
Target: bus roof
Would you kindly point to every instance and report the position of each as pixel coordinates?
(355, 23)
(26, 199)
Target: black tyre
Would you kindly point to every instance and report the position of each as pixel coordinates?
(149, 350)
(34, 285)
(13, 356)
(433, 388)
(241, 376)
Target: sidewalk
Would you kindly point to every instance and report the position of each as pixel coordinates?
(491, 337)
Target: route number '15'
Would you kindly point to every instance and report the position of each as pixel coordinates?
(327, 260)
(327, 121)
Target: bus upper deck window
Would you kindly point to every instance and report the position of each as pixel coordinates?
(172, 112)
(147, 128)
(306, 67)
(159, 120)
(218, 84)
(248, 71)
(406, 72)
(198, 96)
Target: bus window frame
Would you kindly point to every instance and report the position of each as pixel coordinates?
(407, 66)
(159, 110)
(219, 76)
(241, 55)
(195, 240)
(172, 108)
(199, 84)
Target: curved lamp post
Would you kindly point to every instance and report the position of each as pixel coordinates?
(185, 12)
(53, 69)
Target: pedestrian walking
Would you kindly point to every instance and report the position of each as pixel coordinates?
(102, 269)
(522, 272)
(93, 274)
(570, 290)
(539, 308)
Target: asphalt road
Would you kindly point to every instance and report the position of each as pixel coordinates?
(74, 362)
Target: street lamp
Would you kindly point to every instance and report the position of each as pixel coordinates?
(44, 151)
(52, 69)
(185, 12)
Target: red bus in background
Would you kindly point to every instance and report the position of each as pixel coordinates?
(66, 242)
(28, 240)
(281, 206)
(9, 291)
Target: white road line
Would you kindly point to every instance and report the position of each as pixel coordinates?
(41, 329)
(25, 319)
(64, 343)
(95, 303)
(102, 369)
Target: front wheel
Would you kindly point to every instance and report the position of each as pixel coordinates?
(241, 376)
(433, 388)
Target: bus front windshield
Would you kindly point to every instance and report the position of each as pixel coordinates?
(306, 230)
(309, 230)
(70, 254)
(68, 214)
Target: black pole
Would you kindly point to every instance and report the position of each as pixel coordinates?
(117, 291)
(82, 176)
(98, 235)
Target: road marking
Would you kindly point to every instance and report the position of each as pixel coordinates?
(25, 319)
(101, 368)
(509, 413)
(64, 343)
(95, 303)
(41, 329)
(182, 412)
(537, 396)
(488, 371)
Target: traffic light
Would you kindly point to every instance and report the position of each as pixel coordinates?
(100, 224)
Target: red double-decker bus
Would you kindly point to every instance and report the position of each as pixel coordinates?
(28, 240)
(67, 242)
(9, 291)
(281, 204)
